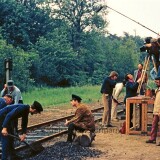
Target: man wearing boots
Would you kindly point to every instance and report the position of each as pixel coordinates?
(83, 119)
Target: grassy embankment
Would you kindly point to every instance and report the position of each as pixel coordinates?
(60, 97)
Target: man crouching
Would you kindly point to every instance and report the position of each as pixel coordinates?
(83, 119)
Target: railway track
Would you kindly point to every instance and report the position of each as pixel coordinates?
(45, 131)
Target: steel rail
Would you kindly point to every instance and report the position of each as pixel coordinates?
(46, 138)
(56, 120)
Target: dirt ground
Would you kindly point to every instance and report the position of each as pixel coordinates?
(115, 146)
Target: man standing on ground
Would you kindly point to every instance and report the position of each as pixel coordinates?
(83, 119)
(137, 75)
(107, 90)
(156, 112)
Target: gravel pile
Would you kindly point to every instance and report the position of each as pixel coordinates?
(66, 151)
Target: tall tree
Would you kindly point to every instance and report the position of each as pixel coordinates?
(81, 16)
(23, 25)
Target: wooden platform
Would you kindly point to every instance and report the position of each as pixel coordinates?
(142, 121)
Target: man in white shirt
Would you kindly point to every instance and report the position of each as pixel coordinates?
(116, 92)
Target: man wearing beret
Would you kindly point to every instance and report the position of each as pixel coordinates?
(83, 119)
(9, 114)
(156, 112)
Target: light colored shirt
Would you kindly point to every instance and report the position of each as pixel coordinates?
(16, 94)
(156, 109)
(117, 90)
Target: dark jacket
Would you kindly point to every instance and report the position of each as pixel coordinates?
(107, 86)
(131, 89)
(2, 103)
(13, 112)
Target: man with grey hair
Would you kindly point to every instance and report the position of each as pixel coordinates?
(13, 90)
(107, 90)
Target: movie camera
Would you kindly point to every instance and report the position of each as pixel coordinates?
(144, 48)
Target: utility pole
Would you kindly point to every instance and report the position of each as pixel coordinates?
(8, 68)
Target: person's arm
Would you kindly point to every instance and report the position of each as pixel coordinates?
(12, 112)
(24, 122)
(4, 91)
(135, 74)
(17, 96)
(78, 116)
(24, 126)
(132, 86)
(117, 92)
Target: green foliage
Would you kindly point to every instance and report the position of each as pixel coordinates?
(21, 64)
(63, 46)
(21, 25)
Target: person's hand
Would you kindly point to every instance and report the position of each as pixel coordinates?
(5, 86)
(4, 132)
(139, 80)
(22, 137)
(66, 123)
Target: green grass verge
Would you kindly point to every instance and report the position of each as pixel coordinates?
(60, 97)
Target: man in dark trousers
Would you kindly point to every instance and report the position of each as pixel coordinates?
(83, 119)
(156, 112)
(107, 90)
(131, 91)
(11, 113)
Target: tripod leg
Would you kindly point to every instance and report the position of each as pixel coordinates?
(154, 64)
(147, 59)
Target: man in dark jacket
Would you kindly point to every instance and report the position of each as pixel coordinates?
(9, 114)
(83, 119)
(131, 91)
(106, 90)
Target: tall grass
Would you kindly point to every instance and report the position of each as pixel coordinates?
(55, 97)
(60, 97)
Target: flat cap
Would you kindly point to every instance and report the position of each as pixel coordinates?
(37, 106)
(75, 97)
(10, 83)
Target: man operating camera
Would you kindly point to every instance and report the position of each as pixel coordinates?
(152, 46)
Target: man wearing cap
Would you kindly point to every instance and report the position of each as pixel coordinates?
(13, 90)
(83, 119)
(11, 113)
(156, 112)
(107, 90)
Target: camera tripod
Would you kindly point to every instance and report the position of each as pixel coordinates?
(144, 70)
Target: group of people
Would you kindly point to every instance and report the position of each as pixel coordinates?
(110, 91)
(12, 108)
